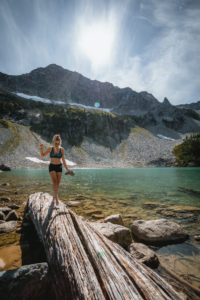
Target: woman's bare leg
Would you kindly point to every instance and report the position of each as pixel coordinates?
(54, 184)
(59, 175)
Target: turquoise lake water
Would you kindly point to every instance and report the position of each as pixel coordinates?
(139, 184)
(135, 193)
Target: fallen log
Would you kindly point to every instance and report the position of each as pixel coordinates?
(87, 265)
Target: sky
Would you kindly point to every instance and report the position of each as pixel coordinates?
(147, 45)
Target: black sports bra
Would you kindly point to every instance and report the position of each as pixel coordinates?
(56, 155)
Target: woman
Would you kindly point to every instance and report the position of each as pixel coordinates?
(55, 166)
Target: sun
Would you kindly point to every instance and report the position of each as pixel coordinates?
(96, 42)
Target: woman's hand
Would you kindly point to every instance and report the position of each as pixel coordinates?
(70, 172)
(41, 146)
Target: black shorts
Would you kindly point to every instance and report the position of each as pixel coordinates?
(57, 168)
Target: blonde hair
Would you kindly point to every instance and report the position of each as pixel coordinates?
(56, 137)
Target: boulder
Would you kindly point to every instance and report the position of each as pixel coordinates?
(144, 254)
(116, 233)
(12, 215)
(115, 219)
(27, 282)
(159, 231)
(4, 168)
(8, 226)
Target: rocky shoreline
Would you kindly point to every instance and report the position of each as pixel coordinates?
(140, 240)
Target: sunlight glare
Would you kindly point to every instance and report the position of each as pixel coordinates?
(96, 42)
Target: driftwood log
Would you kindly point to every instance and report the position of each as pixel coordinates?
(85, 264)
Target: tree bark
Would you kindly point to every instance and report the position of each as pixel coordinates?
(87, 265)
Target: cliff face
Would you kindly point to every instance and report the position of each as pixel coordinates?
(91, 138)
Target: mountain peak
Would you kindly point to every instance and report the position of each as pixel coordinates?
(54, 67)
(166, 101)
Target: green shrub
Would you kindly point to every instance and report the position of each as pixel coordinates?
(188, 152)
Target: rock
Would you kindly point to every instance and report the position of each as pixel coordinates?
(116, 233)
(4, 168)
(21, 283)
(2, 216)
(73, 203)
(197, 237)
(2, 221)
(115, 219)
(12, 215)
(14, 206)
(5, 210)
(5, 199)
(8, 226)
(144, 254)
(159, 231)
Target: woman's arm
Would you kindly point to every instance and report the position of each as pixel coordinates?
(63, 159)
(46, 152)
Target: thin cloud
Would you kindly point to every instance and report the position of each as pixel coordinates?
(156, 46)
(171, 62)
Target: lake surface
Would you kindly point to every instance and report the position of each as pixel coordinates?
(135, 193)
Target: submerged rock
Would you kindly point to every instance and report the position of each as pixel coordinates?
(5, 184)
(12, 215)
(5, 210)
(5, 199)
(115, 219)
(73, 203)
(144, 254)
(159, 231)
(2, 216)
(116, 233)
(14, 206)
(8, 226)
(152, 205)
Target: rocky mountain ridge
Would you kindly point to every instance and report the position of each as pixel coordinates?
(95, 137)
(56, 83)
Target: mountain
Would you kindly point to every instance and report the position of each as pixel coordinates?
(194, 106)
(56, 83)
(129, 128)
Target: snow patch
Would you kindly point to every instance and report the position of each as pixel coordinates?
(37, 160)
(90, 107)
(49, 101)
(36, 98)
(165, 137)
